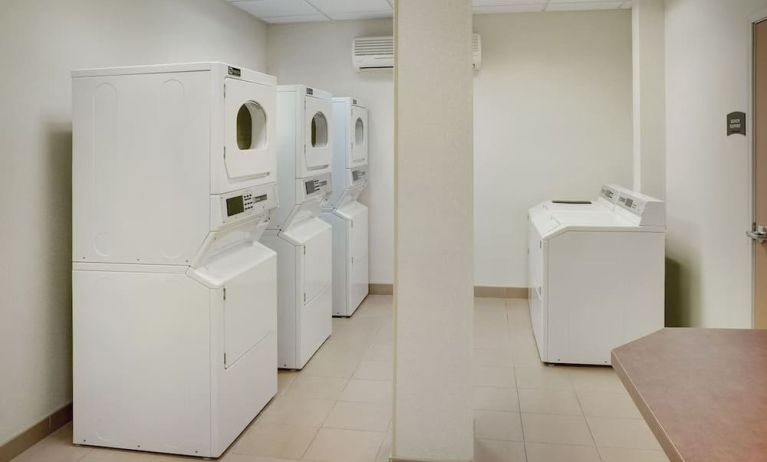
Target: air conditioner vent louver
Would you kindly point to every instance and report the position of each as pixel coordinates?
(370, 53)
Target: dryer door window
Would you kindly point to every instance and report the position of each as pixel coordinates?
(318, 135)
(249, 132)
(359, 131)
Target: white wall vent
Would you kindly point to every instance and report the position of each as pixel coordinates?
(372, 53)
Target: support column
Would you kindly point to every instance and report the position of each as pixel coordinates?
(434, 276)
(649, 55)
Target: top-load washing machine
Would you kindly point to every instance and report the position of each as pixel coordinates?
(174, 298)
(302, 240)
(596, 274)
(344, 212)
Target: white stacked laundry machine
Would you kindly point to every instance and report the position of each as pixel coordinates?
(596, 274)
(302, 240)
(175, 300)
(345, 213)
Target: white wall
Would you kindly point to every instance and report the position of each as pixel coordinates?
(707, 65)
(552, 110)
(552, 106)
(319, 55)
(41, 41)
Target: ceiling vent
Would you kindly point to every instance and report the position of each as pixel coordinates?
(375, 53)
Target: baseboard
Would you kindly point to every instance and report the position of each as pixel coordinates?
(395, 459)
(500, 292)
(479, 291)
(35, 433)
(381, 289)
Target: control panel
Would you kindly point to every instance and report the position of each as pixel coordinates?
(632, 204)
(316, 186)
(247, 203)
(609, 194)
(359, 174)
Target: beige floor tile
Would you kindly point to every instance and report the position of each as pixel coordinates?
(596, 379)
(328, 365)
(313, 387)
(556, 429)
(496, 399)
(379, 352)
(117, 455)
(493, 357)
(498, 451)
(538, 452)
(57, 447)
(544, 378)
(384, 452)
(622, 433)
(549, 401)
(492, 336)
(493, 376)
(495, 425)
(359, 416)
(374, 370)
(608, 404)
(284, 380)
(334, 445)
(368, 391)
(275, 440)
(232, 457)
(300, 412)
(631, 455)
(526, 355)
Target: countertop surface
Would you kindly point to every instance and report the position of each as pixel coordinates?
(702, 391)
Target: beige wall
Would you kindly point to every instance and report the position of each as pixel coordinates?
(433, 288)
(319, 54)
(649, 56)
(552, 110)
(552, 107)
(41, 41)
(707, 65)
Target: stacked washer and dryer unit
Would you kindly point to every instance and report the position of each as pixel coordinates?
(345, 213)
(175, 300)
(596, 271)
(302, 240)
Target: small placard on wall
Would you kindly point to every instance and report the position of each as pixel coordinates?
(736, 123)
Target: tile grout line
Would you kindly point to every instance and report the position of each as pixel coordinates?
(516, 386)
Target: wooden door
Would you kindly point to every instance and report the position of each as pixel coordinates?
(760, 175)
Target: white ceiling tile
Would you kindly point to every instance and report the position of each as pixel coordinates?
(276, 8)
(360, 15)
(291, 19)
(477, 3)
(357, 9)
(570, 5)
(518, 8)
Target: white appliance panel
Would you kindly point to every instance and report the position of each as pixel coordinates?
(117, 142)
(358, 270)
(249, 132)
(318, 135)
(142, 362)
(359, 136)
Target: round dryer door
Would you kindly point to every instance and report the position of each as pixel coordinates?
(318, 142)
(359, 132)
(250, 130)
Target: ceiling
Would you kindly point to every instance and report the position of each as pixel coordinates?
(285, 11)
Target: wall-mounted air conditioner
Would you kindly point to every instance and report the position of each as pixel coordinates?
(375, 53)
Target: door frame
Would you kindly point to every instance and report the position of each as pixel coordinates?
(753, 19)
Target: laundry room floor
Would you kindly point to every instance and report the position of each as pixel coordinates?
(338, 409)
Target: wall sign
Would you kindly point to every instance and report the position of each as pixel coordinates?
(736, 123)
